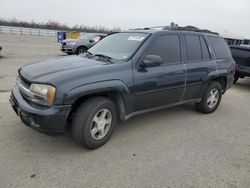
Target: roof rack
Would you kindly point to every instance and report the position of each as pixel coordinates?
(178, 28)
(148, 28)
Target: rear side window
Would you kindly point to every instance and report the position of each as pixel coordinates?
(193, 47)
(167, 47)
(204, 48)
(221, 48)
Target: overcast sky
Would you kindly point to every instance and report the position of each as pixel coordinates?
(232, 16)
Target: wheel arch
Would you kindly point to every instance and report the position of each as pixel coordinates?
(114, 90)
(223, 82)
(113, 95)
(220, 79)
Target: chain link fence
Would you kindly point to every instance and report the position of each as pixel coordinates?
(27, 31)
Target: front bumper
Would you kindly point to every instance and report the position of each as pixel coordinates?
(48, 120)
(68, 49)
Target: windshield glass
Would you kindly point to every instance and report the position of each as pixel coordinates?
(119, 46)
(86, 36)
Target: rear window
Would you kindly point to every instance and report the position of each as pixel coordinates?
(221, 48)
(193, 48)
(197, 48)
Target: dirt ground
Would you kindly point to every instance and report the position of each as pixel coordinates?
(21, 50)
(176, 147)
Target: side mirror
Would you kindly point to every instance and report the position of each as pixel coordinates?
(91, 41)
(151, 61)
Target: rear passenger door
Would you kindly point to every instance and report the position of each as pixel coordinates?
(162, 85)
(199, 64)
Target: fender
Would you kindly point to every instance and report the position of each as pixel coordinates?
(216, 75)
(223, 72)
(124, 100)
(96, 87)
(211, 76)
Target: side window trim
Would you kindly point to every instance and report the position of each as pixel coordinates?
(180, 46)
(208, 49)
(184, 38)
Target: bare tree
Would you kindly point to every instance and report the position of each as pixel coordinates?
(55, 25)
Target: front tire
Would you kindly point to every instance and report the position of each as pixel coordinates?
(94, 122)
(211, 99)
(81, 50)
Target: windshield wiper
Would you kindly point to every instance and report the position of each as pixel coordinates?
(104, 57)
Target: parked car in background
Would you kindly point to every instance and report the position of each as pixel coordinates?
(82, 44)
(123, 75)
(241, 55)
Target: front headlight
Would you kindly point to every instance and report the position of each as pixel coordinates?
(43, 94)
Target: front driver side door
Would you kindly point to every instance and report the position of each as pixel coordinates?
(162, 85)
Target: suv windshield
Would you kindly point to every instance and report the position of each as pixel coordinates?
(119, 46)
(86, 36)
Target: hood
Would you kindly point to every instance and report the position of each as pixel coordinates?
(47, 71)
(76, 40)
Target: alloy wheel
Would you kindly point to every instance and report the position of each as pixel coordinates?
(101, 124)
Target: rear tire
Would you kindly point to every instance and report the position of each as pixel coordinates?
(211, 99)
(94, 122)
(69, 53)
(236, 77)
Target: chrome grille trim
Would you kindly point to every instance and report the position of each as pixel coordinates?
(27, 93)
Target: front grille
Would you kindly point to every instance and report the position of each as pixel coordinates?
(23, 86)
(14, 100)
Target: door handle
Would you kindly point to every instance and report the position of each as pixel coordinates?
(178, 72)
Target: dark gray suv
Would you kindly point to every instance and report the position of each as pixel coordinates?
(82, 44)
(123, 75)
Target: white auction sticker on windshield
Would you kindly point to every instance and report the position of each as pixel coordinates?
(136, 38)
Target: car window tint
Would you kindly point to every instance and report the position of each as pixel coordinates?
(221, 48)
(167, 47)
(205, 51)
(193, 47)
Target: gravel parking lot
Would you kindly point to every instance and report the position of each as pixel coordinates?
(176, 147)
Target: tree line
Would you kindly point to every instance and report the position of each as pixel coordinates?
(55, 25)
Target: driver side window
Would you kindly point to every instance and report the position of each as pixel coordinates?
(167, 47)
